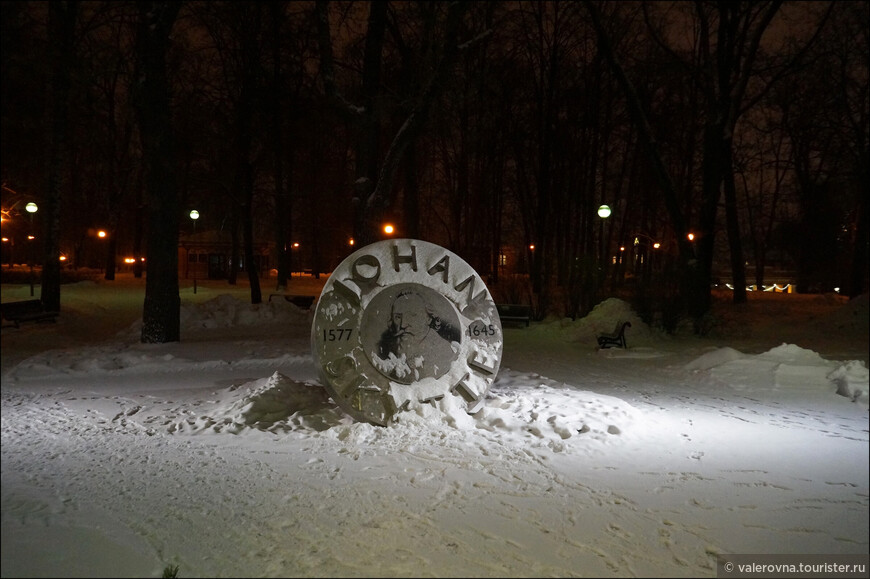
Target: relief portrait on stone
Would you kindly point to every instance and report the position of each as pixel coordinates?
(411, 332)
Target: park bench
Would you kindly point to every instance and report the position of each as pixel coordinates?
(303, 302)
(26, 311)
(514, 313)
(615, 339)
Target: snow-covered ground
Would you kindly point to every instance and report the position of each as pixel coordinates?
(223, 455)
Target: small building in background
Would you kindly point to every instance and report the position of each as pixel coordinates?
(208, 254)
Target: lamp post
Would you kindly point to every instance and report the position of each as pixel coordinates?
(101, 234)
(194, 215)
(603, 213)
(31, 208)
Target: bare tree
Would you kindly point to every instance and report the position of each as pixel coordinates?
(847, 45)
(722, 64)
(161, 311)
(374, 185)
(112, 168)
(61, 34)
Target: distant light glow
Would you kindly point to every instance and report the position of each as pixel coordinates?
(775, 288)
(691, 237)
(604, 211)
(129, 260)
(532, 247)
(296, 244)
(389, 229)
(194, 214)
(31, 207)
(101, 234)
(30, 237)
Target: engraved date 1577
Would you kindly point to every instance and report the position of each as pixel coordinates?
(337, 334)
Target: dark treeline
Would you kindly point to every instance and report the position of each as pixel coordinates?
(495, 129)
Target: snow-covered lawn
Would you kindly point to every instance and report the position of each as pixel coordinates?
(222, 453)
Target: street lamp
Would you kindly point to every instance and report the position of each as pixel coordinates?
(31, 208)
(389, 229)
(603, 212)
(101, 234)
(194, 215)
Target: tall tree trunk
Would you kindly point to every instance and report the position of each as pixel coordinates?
(283, 215)
(161, 311)
(366, 116)
(244, 174)
(696, 295)
(138, 227)
(861, 241)
(235, 255)
(252, 266)
(61, 34)
(373, 189)
(368, 140)
(738, 269)
(112, 246)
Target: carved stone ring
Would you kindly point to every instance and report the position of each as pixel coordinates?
(404, 322)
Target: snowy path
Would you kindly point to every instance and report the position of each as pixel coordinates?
(657, 486)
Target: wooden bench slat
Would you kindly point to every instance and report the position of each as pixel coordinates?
(616, 338)
(26, 311)
(514, 313)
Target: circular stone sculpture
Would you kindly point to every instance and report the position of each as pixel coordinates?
(402, 322)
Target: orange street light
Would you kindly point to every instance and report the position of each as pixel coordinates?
(389, 229)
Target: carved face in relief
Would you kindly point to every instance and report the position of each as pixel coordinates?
(409, 320)
(418, 339)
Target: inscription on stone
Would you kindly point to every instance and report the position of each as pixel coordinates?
(405, 322)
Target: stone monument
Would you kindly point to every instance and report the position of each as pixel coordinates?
(404, 322)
